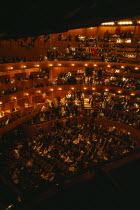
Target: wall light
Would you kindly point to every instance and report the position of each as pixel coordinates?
(51, 89)
(85, 88)
(86, 64)
(38, 91)
(119, 91)
(95, 64)
(50, 64)
(72, 88)
(106, 89)
(59, 64)
(26, 94)
(117, 71)
(73, 64)
(37, 65)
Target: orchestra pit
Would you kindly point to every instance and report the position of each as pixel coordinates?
(70, 106)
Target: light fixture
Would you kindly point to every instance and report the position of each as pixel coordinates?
(59, 88)
(26, 94)
(59, 64)
(108, 65)
(73, 64)
(122, 67)
(37, 65)
(108, 23)
(86, 64)
(128, 40)
(0, 102)
(50, 64)
(136, 68)
(125, 23)
(51, 89)
(9, 207)
(85, 88)
(106, 89)
(117, 71)
(38, 91)
(23, 66)
(95, 64)
(119, 91)
(93, 88)
(132, 94)
(72, 88)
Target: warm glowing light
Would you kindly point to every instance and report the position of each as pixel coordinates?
(11, 67)
(122, 67)
(95, 64)
(72, 88)
(24, 66)
(106, 89)
(132, 94)
(50, 64)
(108, 65)
(128, 40)
(0, 102)
(117, 71)
(91, 27)
(73, 64)
(86, 64)
(108, 23)
(38, 91)
(37, 65)
(26, 94)
(136, 68)
(138, 21)
(59, 64)
(125, 23)
(119, 91)
(59, 88)
(9, 206)
(85, 88)
(51, 89)
(93, 88)
(15, 98)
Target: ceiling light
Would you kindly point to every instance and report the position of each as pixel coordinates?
(107, 23)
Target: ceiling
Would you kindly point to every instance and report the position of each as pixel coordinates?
(28, 18)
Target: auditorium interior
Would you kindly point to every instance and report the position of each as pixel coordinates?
(70, 109)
